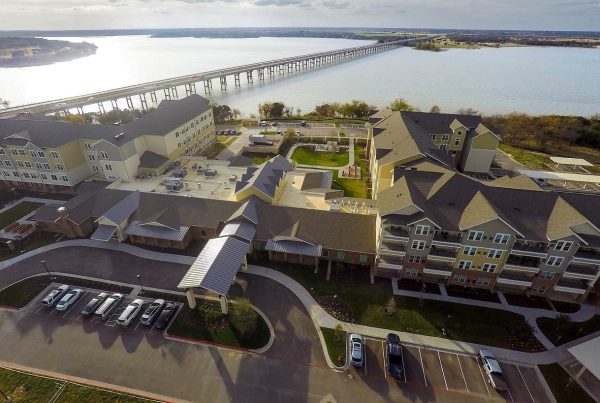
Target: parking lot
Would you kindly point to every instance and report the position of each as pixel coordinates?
(450, 372)
(73, 313)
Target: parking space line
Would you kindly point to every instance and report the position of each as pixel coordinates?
(384, 360)
(461, 371)
(422, 367)
(365, 360)
(485, 382)
(525, 383)
(442, 367)
(403, 368)
(510, 395)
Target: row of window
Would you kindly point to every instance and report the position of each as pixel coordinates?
(27, 175)
(486, 267)
(37, 154)
(472, 251)
(481, 281)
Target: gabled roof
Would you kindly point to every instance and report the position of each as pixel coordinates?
(440, 123)
(562, 218)
(266, 178)
(122, 210)
(152, 160)
(247, 211)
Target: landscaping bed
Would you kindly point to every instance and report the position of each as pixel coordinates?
(527, 301)
(207, 323)
(335, 340)
(563, 387)
(561, 330)
(308, 156)
(35, 241)
(566, 307)
(354, 187)
(16, 212)
(417, 286)
(472, 293)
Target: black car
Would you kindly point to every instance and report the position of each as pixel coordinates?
(395, 366)
(166, 315)
(94, 304)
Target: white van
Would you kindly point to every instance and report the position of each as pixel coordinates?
(108, 306)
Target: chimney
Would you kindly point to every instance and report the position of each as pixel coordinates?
(63, 224)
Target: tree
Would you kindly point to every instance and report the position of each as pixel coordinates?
(400, 104)
(326, 110)
(243, 316)
(298, 111)
(4, 103)
(222, 113)
(264, 110)
(277, 110)
(435, 109)
(236, 113)
(467, 111)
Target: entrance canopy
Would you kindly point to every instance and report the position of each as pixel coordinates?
(571, 161)
(294, 247)
(103, 232)
(587, 354)
(560, 176)
(216, 266)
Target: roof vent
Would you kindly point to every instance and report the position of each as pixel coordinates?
(119, 136)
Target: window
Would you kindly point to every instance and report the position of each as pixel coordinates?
(22, 152)
(433, 137)
(54, 154)
(548, 275)
(91, 157)
(341, 255)
(41, 154)
(15, 173)
(482, 281)
(494, 253)
(28, 164)
(64, 178)
(475, 235)
(38, 165)
(2, 152)
(60, 167)
(445, 137)
(420, 245)
(464, 264)
(488, 267)
(44, 176)
(103, 155)
(501, 238)
(32, 153)
(457, 142)
(108, 167)
(539, 289)
(12, 150)
(7, 163)
(26, 175)
(422, 230)
(47, 166)
(443, 146)
(95, 168)
(554, 261)
(362, 259)
(412, 272)
(460, 278)
(54, 177)
(563, 246)
(469, 250)
(20, 164)
(415, 259)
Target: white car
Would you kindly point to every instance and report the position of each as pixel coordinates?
(54, 295)
(69, 299)
(356, 350)
(130, 312)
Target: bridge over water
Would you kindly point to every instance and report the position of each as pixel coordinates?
(170, 88)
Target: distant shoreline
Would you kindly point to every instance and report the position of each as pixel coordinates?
(27, 52)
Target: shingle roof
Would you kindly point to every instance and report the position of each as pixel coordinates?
(156, 231)
(123, 209)
(294, 247)
(151, 159)
(266, 178)
(439, 123)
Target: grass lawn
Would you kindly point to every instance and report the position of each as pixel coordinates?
(192, 324)
(18, 295)
(531, 159)
(560, 332)
(563, 387)
(354, 187)
(461, 322)
(24, 387)
(306, 156)
(337, 351)
(14, 213)
(258, 158)
(26, 246)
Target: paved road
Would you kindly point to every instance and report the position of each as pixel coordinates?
(293, 371)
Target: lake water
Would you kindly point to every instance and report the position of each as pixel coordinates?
(527, 79)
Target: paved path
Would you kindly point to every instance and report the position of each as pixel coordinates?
(31, 199)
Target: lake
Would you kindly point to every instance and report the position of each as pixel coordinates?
(536, 80)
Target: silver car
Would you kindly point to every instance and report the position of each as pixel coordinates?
(69, 299)
(54, 295)
(152, 311)
(130, 312)
(357, 350)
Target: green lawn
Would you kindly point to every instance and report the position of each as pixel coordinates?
(531, 159)
(461, 322)
(24, 387)
(20, 294)
(354, 187)
(258, 158)
(25, 246)
(563, 387)
(14, 213)
(306, 156)
(336, 351)
(559, 331)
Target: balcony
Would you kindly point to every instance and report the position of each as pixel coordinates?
(587, 255)
(572, 286)
(514, 279)
(446, 238)
(523, 263)
(391, 263)
(581, 271)
(529, 248)
(397, 234)
(444, 254)
(392, 249)
(437, 269)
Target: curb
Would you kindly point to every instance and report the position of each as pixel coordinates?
(206, 343)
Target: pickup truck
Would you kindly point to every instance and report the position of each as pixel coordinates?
(492, 369)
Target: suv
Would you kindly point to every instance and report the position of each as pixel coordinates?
(108, 306)
(54, 295)
(152, 311)
(492, 369)
(394, 364)
(357, 350)
(166, 315)
(130, 312)
(94, 304)
(69, 299)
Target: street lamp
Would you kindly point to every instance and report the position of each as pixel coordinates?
(139, 278)
(6, 398)
(47, 271)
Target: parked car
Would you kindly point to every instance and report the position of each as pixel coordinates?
(108, 306)
(220, 132)
(263, 123)
(55, 295)
(357, 350)
(94, 304)
(233, 131)
(492, 369)
(130, 312)
(69, 299)
(273, 123)
(279, 132)
(227, 131)
(152, 311)
(166, 315)
(297, 132)
(394, 364)
(303, 124)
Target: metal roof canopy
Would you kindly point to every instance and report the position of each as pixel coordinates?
(241, 229)
(216, 266)
(103, 232)
(294, 247)
(587, 354)
(154, 231)
(560, 176)
(571, 161)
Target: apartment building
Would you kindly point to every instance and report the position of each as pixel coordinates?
(54, 156)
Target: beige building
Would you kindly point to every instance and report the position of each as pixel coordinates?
(51, 155)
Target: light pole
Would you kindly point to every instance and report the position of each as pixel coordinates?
(139, 277)
(47, 271)
(6, 398)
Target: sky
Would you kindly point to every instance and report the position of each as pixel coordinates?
(582, 15)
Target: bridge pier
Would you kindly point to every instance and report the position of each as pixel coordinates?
(261, 74)
(223, 81)
(207, 87)
(153, 97)
(289, 67)
(167, 93)
(174, 92)
(129, 102)
(190, 89)
(281, 69)
(80, 110)
(114, 104)
(249, 77)
(143, 101)
(101, 108)
(236, 80)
